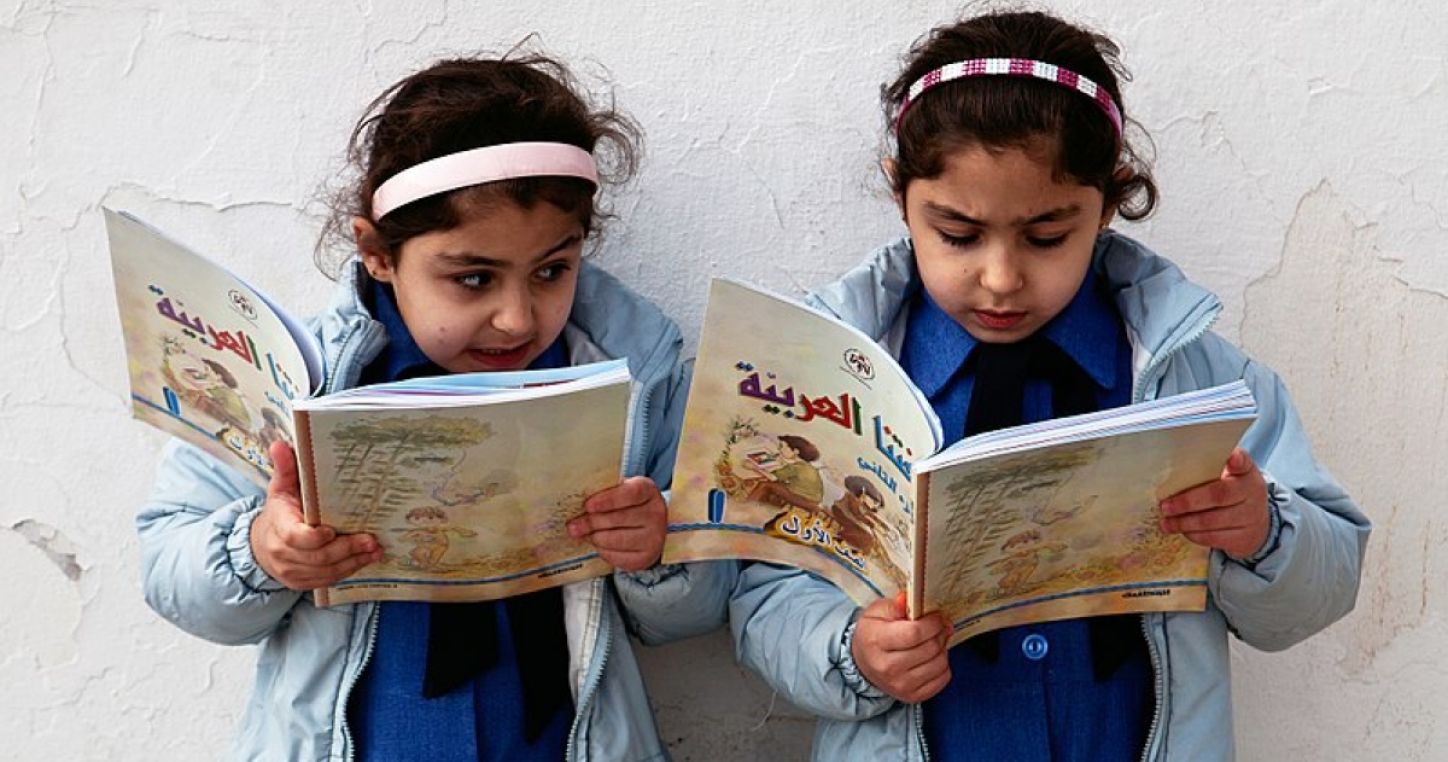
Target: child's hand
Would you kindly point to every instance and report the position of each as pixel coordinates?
(293, 552)
(626, 522)
(902, 658)
(1229, 513)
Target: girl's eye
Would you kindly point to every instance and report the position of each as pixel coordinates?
(473, 280)
(1047, 243)
(552, 271)
(959, 241)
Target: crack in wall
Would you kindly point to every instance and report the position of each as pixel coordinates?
(53, 543)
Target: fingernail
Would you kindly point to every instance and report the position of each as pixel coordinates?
(575, 530)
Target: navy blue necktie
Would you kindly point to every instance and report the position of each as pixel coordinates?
(997, 401)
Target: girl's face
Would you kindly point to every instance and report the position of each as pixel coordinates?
(1001, 245)
(490, 294)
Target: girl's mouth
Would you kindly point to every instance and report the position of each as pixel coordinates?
(998, 320)
(500, 359)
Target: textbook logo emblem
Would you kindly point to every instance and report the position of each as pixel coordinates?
(242, 305)
(858, 364)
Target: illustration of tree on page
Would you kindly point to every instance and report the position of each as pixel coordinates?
(805, 444)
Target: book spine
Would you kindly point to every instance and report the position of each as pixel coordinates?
(307, 479)
(306, 467)
(915, 588)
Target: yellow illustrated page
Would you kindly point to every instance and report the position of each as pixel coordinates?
(796, 446)
(1069, 530)
(209, 360)
(468, 503)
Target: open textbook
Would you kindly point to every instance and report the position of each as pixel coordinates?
(466, 480)
(805, 444)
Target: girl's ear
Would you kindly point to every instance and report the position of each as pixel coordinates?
(375, 256)
(1122, 176)
(1108, 213)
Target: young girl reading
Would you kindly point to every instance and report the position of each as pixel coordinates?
(476, 196)
(1011, 301)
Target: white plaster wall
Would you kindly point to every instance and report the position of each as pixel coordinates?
(1304, 178)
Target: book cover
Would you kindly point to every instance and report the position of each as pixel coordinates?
(1059, 521)
(467, 488)
(806, 444)
(210, 359)
(796, 446)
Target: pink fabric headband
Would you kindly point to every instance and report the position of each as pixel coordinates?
(1013, 67)
(482, 165)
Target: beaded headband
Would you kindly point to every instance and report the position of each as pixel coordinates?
(1013, 67)
(482, 165)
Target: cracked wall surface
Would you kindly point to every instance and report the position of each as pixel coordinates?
(1303, 177)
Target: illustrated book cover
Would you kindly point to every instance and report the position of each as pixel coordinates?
(805, 444)
(211, 359)
(466, 480)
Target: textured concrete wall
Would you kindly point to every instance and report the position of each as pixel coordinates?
(1304, 178)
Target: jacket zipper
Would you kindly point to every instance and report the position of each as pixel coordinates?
(1158, 667)
(364, 332)
(633, 464)
(919, 711)
(585, 698)
(1158, 688)
(346, 693)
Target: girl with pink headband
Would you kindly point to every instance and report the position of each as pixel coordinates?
(477, 192)
(1011, 300)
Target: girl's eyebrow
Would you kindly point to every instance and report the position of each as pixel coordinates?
(469, 259)
(1050, 215)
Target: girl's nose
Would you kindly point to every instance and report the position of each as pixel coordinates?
(513, 314)
(1000, 274)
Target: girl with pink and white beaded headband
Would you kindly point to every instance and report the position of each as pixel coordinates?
(1010, 300)
(477, 187)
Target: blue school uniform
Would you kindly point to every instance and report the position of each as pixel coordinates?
(482, 719)
(1036, 693)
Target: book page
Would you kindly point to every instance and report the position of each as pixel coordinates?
(1069, 530)
(797, 446)
(468, 503)
(210, 360)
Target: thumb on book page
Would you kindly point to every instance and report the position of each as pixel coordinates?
(283, 482)
(1239, 463)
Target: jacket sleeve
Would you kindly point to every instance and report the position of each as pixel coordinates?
(673, 601)
(794, 629)
(1306, 576)
(197, 568)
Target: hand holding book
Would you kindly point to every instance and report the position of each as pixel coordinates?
(626, 522)
(902, 657)
(299, 555)
(1229, 514)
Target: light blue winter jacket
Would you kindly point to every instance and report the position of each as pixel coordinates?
(199, 572)
(795, 630)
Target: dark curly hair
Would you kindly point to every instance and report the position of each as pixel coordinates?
(460, 104)
(1016, 112)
